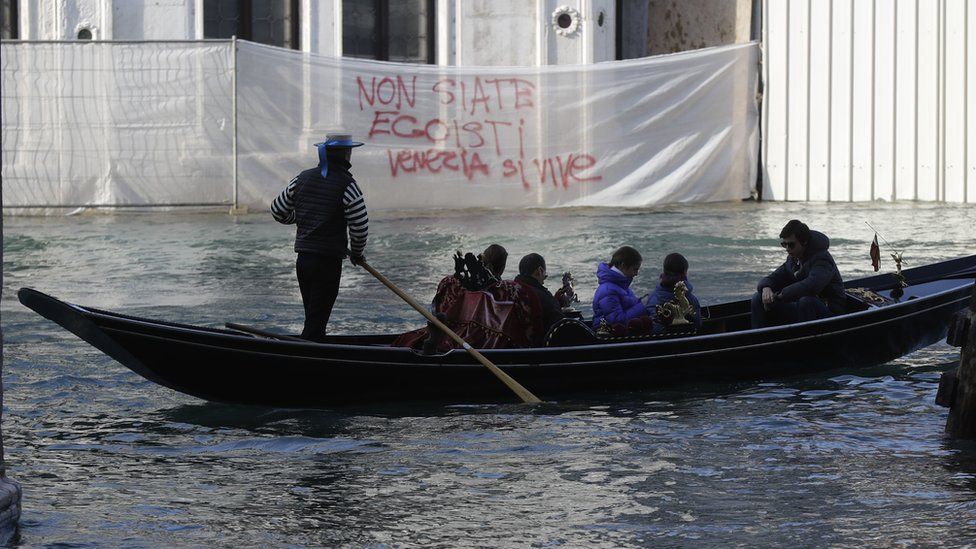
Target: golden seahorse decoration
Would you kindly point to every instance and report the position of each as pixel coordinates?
(678, 308)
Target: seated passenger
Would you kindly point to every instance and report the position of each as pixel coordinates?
(486, 312)
(449, 288)
(808, 286)
(494, 257)
(614, 301)
(532, 271)
(675, 270)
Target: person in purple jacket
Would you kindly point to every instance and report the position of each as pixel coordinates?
(614, 300)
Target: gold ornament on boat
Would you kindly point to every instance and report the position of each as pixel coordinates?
(898, 275)
(678, 308)
(566, 295)
(898, 290)
(866, 295)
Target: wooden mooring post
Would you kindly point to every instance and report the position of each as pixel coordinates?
(957, 388)
(10, 493)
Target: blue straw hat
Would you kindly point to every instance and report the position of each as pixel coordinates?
(334, 141)
(339, 140)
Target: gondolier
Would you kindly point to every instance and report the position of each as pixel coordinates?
(324, 203)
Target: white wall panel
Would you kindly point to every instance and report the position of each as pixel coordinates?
(970, 102)
(928, 84)
(906, 89)
(955, 96)
(861, 155)
(776, 103)
(798, 75)
(842, 120)
(885, 92)
(869, 99)
(821, 101)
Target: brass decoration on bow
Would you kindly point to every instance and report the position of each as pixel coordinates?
(866, 295)
(678, 308)
(898, 290)
(566, 295)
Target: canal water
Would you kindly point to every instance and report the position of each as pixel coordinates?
(107, 458)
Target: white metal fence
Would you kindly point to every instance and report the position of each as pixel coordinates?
(869, 99)
(106, 124)
(153, 124)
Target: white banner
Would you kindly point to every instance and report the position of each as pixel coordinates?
(675, 128)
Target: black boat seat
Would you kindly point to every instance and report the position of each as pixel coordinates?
(855, 305)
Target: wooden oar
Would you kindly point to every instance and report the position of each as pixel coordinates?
(522, 392)
(262, 333)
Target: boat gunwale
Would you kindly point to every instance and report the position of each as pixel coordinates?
(952, 269)
(889, 312)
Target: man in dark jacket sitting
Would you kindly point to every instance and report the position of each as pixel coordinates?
(532, 271)
(806, 287)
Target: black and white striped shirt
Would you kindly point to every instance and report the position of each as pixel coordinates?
(354, 207)
(357, 218)
(283, 207)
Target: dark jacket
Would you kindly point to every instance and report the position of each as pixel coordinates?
(319, 211)
(551, 311)
(665, 291)
(614, 300)
(816, 274)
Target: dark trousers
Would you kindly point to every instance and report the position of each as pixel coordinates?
(318, 280)
(787, 312)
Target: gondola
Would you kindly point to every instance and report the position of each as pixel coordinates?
(230, 366)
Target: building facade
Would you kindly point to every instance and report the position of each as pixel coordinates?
(443, 32)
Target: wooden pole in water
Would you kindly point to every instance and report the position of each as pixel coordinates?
(957, 389)
(2, 467)
(10, 492)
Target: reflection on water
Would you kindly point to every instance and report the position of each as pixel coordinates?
(842, 458)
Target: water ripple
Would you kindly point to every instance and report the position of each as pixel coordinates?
(108, 458)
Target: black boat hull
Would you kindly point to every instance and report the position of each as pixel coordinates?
(227, 366)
